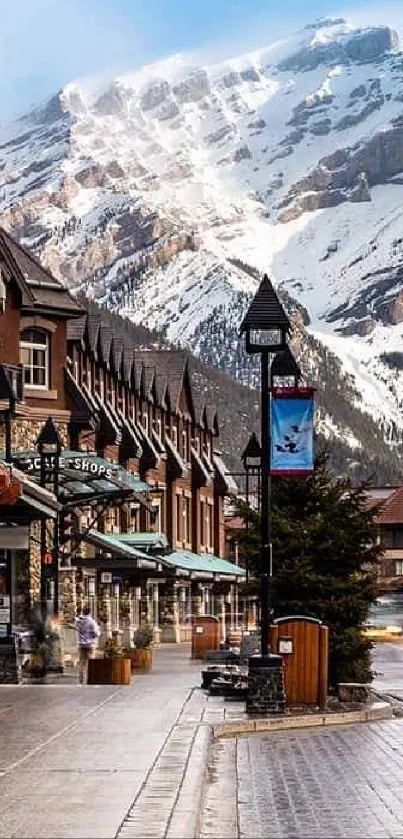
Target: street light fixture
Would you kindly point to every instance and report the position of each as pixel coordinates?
(266, 328)
(285, 371)
(250, 457)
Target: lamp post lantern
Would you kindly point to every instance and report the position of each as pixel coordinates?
(285, 371)
(266, 328)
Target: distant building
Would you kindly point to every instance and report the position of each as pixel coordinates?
(389, 520)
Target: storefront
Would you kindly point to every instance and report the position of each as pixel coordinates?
(23, 506)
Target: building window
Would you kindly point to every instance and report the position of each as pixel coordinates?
(144, 421)
(178, 518)
(156, 519)
(174, 436)
(187, 519)
(399, 568)
(134, 524)
(158, 426)
(392, 538)
(112, 520)
(209, 535)
(185, 451)
(34, 356)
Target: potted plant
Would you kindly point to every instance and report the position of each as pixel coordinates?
(141, 654)
(114, 668)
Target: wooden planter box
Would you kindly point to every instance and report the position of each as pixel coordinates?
(109, 671)
(141, 660)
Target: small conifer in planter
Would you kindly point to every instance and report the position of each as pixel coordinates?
(142, 654)
(113, 669)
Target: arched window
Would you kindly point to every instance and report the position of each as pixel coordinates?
(34, 356)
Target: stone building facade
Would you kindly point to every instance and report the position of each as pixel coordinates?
(140, 524)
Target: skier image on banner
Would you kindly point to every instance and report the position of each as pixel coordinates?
(292, 427)
(294, 442)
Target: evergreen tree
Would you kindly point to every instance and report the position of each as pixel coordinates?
(325, 561)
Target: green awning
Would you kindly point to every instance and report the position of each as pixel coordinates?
(110, 543)
(145, 540)
(202, 564)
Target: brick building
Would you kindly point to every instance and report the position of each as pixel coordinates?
(389, 520)
(138, 506)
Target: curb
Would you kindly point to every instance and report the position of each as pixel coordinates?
(377, 711)
(186, 816)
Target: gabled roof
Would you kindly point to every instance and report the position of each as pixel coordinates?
(128, 365)
(172, 365)
(40, 291)
(105, 343)
(265, 310)
(117, 354)
(167, 370)
(391, 511)
(147, 381)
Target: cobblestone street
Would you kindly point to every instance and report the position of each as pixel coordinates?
(342, 782)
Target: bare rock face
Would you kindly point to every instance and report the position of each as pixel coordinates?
(348, 174)
(362, 191)
(93, 175)
(193, 87)
(361, 328)
(361, 46)
(114, 170)
(154, 94)
(231, 79)
(250, 74)
(167, 110)
(353, 119)
(396, 309)
(242, 153)
(322, 127)
(112, 102)
(372, 43)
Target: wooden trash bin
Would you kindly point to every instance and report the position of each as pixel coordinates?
(205, 635)
(303, 643)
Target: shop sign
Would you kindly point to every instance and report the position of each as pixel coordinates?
(14, 538)
(86, 465)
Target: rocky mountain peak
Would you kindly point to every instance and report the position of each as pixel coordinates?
(168, 191)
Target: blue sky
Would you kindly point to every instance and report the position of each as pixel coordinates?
(46, 43)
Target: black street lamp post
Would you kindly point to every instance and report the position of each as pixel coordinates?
(49, 447)
(250, 457)
(266, 328)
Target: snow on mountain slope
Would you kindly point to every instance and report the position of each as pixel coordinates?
(156, 192)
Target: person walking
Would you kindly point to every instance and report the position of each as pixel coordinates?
(88, 634)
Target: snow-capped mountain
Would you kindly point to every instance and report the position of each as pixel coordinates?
(166, 192)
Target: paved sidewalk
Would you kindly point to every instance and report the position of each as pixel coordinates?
(342, 782)
(104, 762)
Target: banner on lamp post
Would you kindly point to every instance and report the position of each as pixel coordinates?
(292, 417)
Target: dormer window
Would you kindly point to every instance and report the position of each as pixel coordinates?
(34, 356)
